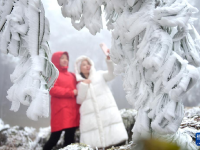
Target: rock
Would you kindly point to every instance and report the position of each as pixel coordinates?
(41, 137)
(3, 138)
(15, 138)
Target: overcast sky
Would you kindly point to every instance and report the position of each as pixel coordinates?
(64, 37)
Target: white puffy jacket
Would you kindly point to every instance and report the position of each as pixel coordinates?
(101, 124)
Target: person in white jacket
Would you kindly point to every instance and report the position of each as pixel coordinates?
(101, 124)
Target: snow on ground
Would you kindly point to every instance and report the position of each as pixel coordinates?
(17, 138)
(77, 147)
(191, 122)
(27, 138)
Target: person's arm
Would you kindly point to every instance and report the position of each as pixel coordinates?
(108, 75)
(61, 92)
(82, 92)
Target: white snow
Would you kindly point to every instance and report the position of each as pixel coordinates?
(77, 147)
(24, 34)
(36, 139)
(156, 50)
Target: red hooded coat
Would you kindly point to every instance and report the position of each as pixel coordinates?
(64, 109)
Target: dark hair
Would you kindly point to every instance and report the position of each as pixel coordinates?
(82, 75)
(66, 53)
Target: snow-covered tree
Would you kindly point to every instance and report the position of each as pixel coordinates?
(24, 32)
(157, 51)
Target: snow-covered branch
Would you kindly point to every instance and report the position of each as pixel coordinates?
(24, 33)
(156, 49)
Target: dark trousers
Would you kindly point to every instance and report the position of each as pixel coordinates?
(55, 136)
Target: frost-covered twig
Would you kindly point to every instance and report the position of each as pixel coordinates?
(24, 34)
(157, 51)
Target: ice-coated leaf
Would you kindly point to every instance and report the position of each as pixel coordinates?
(179, 35)
(154, 47)
(25, 35)
(131, 2)
(5, 9)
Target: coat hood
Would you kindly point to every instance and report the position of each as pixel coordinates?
(78, 65)
(56, 60)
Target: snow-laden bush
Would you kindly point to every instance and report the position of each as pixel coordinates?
(191, 122)
(36, 139)
(16, 137)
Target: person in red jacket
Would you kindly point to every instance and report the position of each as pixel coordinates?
(64, 109)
